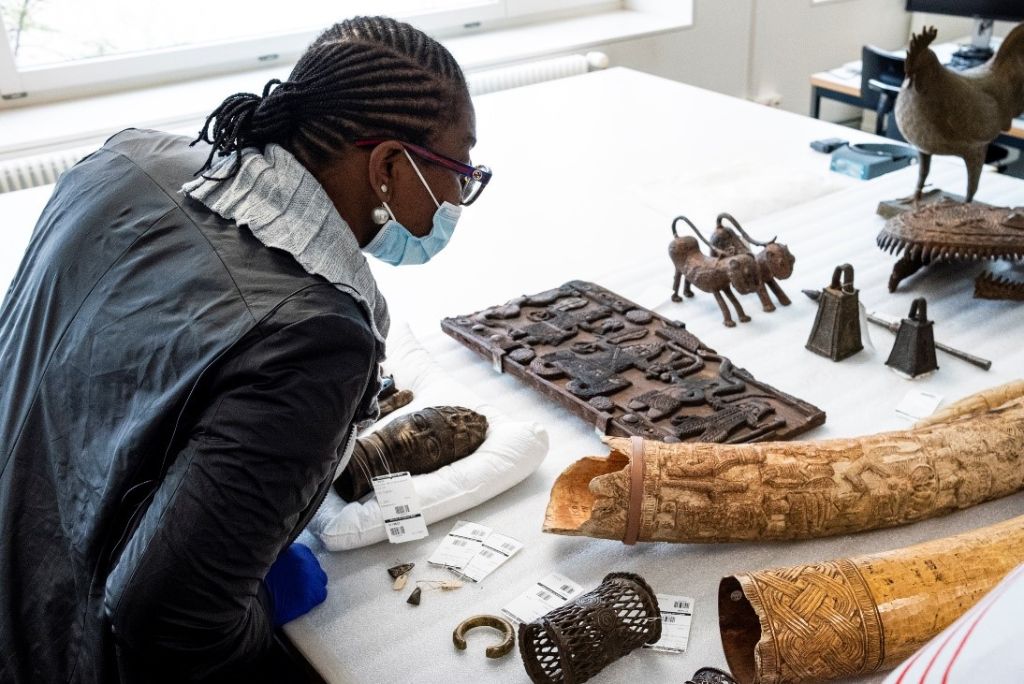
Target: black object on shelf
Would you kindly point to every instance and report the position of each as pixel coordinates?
(828, 145)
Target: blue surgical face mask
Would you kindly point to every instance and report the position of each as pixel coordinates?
(394, 244)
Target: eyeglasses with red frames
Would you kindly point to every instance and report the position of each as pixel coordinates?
(472, 179)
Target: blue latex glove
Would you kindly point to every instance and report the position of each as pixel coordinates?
(296, 584)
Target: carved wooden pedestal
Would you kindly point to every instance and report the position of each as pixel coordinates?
(951, 231)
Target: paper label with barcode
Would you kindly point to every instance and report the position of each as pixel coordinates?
(549, 593)
(495, 550)
(676, 613)
(460, 545)
(400, 507)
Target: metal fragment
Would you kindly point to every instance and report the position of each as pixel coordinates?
(400, 570)
(990, 286)
(499, 650)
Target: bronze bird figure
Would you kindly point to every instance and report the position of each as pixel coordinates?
(941, 111)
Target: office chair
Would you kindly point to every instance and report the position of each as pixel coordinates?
(881, 76)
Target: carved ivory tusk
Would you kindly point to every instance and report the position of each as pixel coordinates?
(853, 616)
(693, 492)
(494, 622)
(976, 403)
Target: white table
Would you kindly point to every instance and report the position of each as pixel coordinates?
(589, 172)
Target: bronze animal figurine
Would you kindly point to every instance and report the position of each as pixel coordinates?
(774, 261)
(419, 442)
(710, 273)
(944, 112)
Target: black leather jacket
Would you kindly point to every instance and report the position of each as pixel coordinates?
(174, 397)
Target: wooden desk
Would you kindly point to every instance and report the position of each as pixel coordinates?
(836, 85)
(589, 172)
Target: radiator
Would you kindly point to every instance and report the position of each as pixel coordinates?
(503, 78)
(42, 169)
(21, 173)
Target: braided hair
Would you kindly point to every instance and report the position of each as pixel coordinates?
(365, 77)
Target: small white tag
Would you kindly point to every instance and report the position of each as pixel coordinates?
(676, 614)
(460, 545)
(865, 336)
(549, 593)
(495, 550)
(400, 507)
(917, 404)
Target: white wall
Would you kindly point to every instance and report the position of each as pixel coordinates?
(795, 38)
(763, 48)
(713, 53)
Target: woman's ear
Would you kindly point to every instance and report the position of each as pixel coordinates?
(381, 169)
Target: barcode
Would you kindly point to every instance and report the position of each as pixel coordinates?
(543, 595)
(508, 546)
(459, 542)
(486, 554)
(397, 529)
(401, 509)
(668, 618)
(567, 588)
(476, 532)
(685, 605)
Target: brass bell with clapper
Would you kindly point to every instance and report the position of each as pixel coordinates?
(836, 331)
(913, 354)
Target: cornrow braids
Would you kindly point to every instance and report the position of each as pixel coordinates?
(366, 77)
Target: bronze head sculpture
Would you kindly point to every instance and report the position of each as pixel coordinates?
(420, 442)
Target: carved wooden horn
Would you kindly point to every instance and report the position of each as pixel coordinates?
(704, 492)
(737, 226)
(852, 616)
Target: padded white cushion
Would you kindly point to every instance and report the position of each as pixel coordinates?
(512, 450)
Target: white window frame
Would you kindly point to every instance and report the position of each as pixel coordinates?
(18, 85)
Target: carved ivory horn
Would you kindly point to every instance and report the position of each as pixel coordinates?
(853, 616)
(972, 452)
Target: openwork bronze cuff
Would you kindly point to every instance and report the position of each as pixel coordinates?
(573, 643)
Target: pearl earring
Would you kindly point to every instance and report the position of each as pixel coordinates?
(380, 215)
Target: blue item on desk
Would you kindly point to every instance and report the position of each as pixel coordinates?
(870, 160)
(827, 145)
(296, 583)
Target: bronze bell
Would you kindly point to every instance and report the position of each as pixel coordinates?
(836, 331)
(914, 352)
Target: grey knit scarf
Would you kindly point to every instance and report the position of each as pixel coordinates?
(284, 206)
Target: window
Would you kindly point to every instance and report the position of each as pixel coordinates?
(57, 44)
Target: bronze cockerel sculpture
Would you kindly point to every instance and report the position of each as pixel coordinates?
(944, 112)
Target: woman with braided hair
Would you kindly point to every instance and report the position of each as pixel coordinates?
(188, 345)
